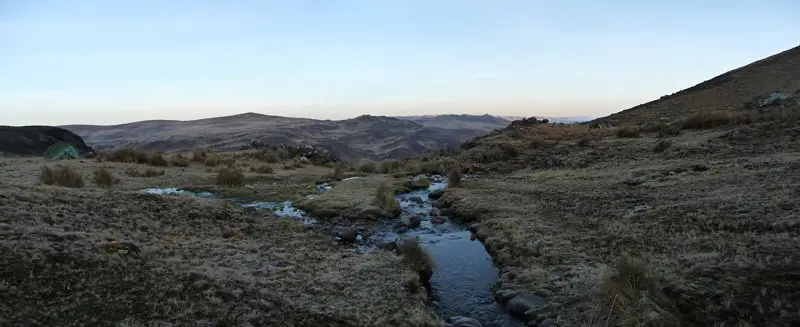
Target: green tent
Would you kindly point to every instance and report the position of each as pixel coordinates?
(61, 150)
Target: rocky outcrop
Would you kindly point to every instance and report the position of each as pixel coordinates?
(34, 140)
(774, 99)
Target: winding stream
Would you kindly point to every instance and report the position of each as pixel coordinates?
(461, 283)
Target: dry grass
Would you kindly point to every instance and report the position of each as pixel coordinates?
(157, 159)
(386, 200)
(714, 214)
(338, 171)
(454, 175)
(631, 295)
(416, 258)
(200, 263)
(263, 169)
(389, 167)
(714, 119)
(355, 199)
(104, 178)
(179, 160)
(368, 167)
(61, 175)
(231, 177)
(133, 172)
(629, 132)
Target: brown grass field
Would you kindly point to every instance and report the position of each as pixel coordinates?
(200, 262)
(705, 222)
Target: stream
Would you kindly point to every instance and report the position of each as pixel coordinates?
(464, 274)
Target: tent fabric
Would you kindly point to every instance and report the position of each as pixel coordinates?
(61, 150)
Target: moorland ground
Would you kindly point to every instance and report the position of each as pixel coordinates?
(190, 261)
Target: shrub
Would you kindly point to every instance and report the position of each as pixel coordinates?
(368, 167)
(454, 175)
(430, 167)
(283, 154)
(628, 132)
(230, 176)
(662, 146)
(180, 160)
(386, 200)
(61, 176)
(228, 161)
(630, 293)
(157, 159)
(288, 167)
(263, 169)
(297, 164)
(271, 157)
(104, 178)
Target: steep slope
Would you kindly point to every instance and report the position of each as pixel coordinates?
(728, 91)
(34, 140)
(364, 137)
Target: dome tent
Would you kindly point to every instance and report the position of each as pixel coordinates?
(61, 150)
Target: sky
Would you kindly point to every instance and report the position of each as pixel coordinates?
(108, 62)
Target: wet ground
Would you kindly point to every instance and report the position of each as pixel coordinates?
(464, 274)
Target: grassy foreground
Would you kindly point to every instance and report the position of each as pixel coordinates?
(189, 261)
(697, 227)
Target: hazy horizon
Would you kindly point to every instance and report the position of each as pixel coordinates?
(103, 62)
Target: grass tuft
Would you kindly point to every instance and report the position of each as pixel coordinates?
(180, 160)
(61, 176)
(714, 119)
(263, 169)
(104, 178)
(628, 132)
(229, 176)
(339, 169)
(386, 200)
(630, 295)
(454, 175)
(416, 258)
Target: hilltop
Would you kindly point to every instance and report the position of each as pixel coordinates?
(363, 137)
(678, 212)
(34, 140)
(728, 91)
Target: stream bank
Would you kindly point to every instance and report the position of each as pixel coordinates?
(464, 274)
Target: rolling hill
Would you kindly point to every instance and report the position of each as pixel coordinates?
(363, 137)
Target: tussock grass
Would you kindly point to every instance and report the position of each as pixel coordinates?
(200, 154)
(146, 173)
(454, 175)
(368, 167)
(104, 178)
(231, 177)
(180, 160)
(263, 169)
(388, 166)
(662, 146)
(157, 159)
(628, 132)
(714, 119)
(631, 295)
(128, 154)
(386, 200)
(61, 175)
(420, 183)
(416, 258)
(339, 169)
(211, 160)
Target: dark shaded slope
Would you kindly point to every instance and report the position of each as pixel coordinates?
(34, 140)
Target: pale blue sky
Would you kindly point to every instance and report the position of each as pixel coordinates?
(107, 61)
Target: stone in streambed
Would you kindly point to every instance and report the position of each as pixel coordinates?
(412, 221)
(349, 235)
(459, 321)
(437, 220)
(435, 195)
(525, 305)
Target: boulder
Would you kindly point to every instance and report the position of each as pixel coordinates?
(525, 304)
(435, 195)
(504, 296)
(349, 235)
(412, 221)
(416, 199)
(438, 220)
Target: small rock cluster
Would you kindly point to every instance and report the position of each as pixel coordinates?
(526, 306)
(774, 99)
